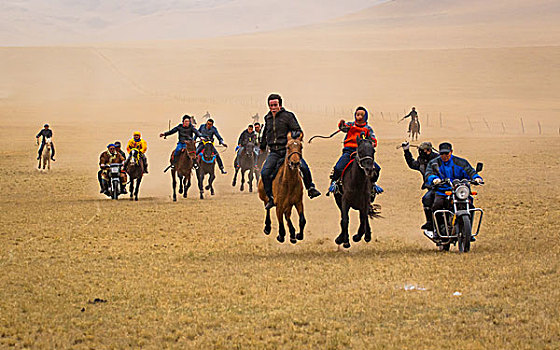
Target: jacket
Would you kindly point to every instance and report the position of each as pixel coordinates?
(420, 163)
(141, 145)
(210, 133)
(247, 137)
(276, 128)
(185, 134)
(353, 130)
(455, 168)
(45, 133)
(107, 158)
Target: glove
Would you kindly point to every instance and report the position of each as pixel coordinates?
(405, 146)
(341, 124)
(478, 180)
(436, 181)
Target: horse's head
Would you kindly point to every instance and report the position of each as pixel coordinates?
(294, 148)
(208, 149)
(134, 156)
(249, 149)
(48, 142)
(365, 156)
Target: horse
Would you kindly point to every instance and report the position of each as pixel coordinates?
(207, 166)
(135, 169)
(183, 169)
(357, 183)
(414, 129)
(46, 156)
(245, 162)
(260, 161)
(287, 189)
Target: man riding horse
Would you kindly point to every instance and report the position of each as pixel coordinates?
(278, 123)
(186, 132)
(141, 145)
(46, 133)
(208, 131)
(413, 119)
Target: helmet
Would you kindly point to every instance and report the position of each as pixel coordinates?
(137, 133)
(425, 146)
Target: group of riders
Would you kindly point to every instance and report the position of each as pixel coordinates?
(434, 165)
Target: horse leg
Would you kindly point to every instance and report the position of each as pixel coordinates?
(173, 177)
(363, 219)
(367, 236)
(187, 185)
(242, 188)
(200, 179)
(211, 183)
(281, 228)
(267, 223)
(180, 183)
(234, 182)
(131, 188)
(49, 163)
(250, 180)
(291, 228)
(138, 181)
(343, 237)
(302, 221)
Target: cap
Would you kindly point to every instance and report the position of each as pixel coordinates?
(425, 145)
(111, 145)
(117, 144)
(445, 147)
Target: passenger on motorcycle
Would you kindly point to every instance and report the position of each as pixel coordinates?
(107, 158)
(119, 150)
(142, 147)
(425, 155)
(447, 166)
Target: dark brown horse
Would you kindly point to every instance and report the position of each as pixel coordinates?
(287, 189)
(135, 169)
(245, 162)
(355, 192)
(183, 169)
(207, 162)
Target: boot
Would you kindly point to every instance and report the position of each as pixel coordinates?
(270, 203)
(429, 225)
(223, 171)
(312, 192)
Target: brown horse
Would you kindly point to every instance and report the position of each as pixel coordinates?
(135, 169)
(287, 189)
(183, 169)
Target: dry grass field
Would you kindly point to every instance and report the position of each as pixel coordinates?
(201, 274)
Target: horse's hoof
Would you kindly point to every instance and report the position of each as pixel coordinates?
(233, 184)
(250, 190)
(136, 199)
(212, 192)
(266, 231)
(241, 188)
(131, 198)
(174, 199)
(367, 238)
(207, 187)
(346, 245)
(299, 236)
(180, 191)
(357, 238)
(280, 239)
(339, 240)
(293, 240)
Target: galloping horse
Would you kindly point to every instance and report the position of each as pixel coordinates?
(414, 129)
(287, 189)
(183, 169)
(245, 162)
(355, 191)
(135, 169)
(46, 156)
(207, 166)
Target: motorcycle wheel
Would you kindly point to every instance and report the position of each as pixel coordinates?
(116, 190)
(465, 234)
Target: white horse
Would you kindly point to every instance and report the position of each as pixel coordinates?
(46, 156)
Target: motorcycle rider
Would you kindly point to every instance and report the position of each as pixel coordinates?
(208, 131)
(45, 133)
(186, 132)
(425, 155)
(118, 148)
(105, 160)
(278, 123)
(447, 166)
(142, 147)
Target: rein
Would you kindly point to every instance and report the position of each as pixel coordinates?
(207, 161)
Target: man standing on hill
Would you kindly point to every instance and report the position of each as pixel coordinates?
(278, 123)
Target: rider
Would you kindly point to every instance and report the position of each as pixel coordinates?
(278, 123)
(258, 131)
(447, 166)
(185, 131)
(353, 130)
(248, 135)
(141, 145)
(208, 131)
(45, 133)
(425, 155)
(105, 160)
(118, 148)
(413, 118)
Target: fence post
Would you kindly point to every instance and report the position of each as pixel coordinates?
(485, 122)
(522, 126)
(470, 125)
(540, 129)
(503, 128)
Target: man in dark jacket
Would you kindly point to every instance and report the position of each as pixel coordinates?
(278, 123)
(186, 132)
(413, 117)
(447, 166)
(208, 131)
(425, 155)
(46, 133)
(258, 132)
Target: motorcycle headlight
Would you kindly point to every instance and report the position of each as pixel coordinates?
(462, 192)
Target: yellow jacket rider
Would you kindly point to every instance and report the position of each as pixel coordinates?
(141, 146)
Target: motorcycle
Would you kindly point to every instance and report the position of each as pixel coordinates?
(454, 224)
(115, 187)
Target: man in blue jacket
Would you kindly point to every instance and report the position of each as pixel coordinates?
(447, 166)
(208, 131)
